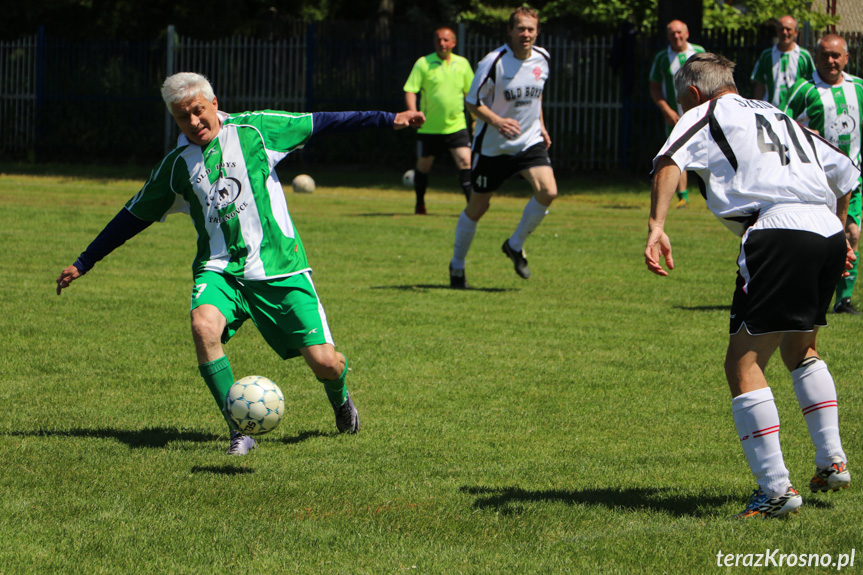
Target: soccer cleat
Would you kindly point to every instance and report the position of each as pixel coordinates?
(347, 417)
(767, 507)
(845, 306)
(831, 478)
(420, 210)
(519, 260)
(457, 279)
(682, 203)
(240, 444)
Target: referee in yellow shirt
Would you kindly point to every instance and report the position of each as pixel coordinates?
(441, 79)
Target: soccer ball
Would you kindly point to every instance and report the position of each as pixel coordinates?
(303, 184)
(408, 179)
(255, 405)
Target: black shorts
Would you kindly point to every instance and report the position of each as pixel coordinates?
(490, 172)
(786, 280)
(439, 144)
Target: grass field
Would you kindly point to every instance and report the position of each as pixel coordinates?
(576, 422)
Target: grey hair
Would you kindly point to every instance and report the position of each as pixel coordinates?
(710, 73)
(831, 37)
(185, 86)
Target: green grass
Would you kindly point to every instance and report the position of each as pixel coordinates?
(576, 422)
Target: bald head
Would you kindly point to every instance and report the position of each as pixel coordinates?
(786, 33)
(677, 33)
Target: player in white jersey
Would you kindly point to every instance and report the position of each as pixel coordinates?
(785, 191)
(831, 103)
(510, 139)
(250, 262)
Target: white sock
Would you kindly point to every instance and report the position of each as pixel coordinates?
(531, 217)
(464, 232)
(757, 422)
(816, 394)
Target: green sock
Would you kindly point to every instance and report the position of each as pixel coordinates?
(337, 391)
(683, 195)
(845, 287)
(219, 378)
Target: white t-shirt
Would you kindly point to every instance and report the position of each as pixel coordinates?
(750, 156)
(511, 88)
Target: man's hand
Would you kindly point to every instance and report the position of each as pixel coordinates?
(658, 246)
(409, 119)
(850, 258)
(67, 276)
(546, 138)
(509, 128)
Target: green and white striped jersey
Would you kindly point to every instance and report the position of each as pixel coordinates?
(778, 71)
(233, 195)
(834, 111)
(665, 65)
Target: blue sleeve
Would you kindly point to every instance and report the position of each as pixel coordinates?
(123, 227)
(335, 122)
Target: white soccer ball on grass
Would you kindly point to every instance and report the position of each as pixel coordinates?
(408, 179)
(303, 184)
(255, 404)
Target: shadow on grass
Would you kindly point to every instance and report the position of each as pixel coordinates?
(418, 287)
(508, 500)
(222, 469)
(703, 307)
(154, 438)
(138, 438)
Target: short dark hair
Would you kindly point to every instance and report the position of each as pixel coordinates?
(525, 11)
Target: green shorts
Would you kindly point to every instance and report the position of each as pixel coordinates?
(855, 206)
(286, 311)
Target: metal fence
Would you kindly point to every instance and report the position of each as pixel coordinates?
(85, 100)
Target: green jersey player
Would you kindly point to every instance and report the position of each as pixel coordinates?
(779, 67)
(250, 262)
(662, 92)
(831, 103)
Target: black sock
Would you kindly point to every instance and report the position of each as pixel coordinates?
(464, 180)
(421, 182)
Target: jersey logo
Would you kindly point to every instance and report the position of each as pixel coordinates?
(224, 192)
(537, 73)
(843, 124)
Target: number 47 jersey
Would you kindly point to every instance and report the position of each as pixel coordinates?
(748, 155)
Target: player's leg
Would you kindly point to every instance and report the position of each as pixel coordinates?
(331, 369)
(682, 190)
(845, 287)
(757, 421)
(421, 182)
(816, 395)
(459, 147)
(544, 186)
(217, 312)
(488, 174)
(291, 318)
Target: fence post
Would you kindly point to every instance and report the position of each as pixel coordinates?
(40, 90)
(169, 69)
(310, 67)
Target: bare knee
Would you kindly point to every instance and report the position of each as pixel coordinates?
(324, 360)
(545, 195)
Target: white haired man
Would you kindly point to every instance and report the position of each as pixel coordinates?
(250, 261)
(784, 190)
